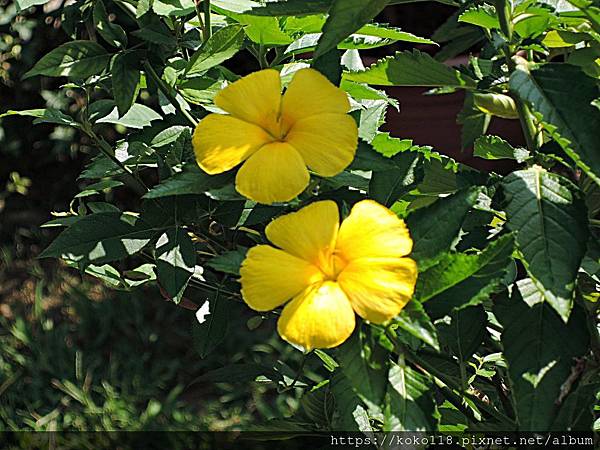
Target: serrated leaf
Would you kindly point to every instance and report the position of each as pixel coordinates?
(274, 7)
(190, 181)
(435, 228)
(138, 116)
(409, 405)
(125, 78)
(219, 48)
(346, 17)
(75, 59)
(211, 332)
(540, 350)
(465, 332)
(175, 261)
(460, 279)
(484, 16)
(100, 238)
(411, 69)
(228, 262)
(550, 223)
(404, 174)
(565, 109)
(414, 320)
(494, 147)
(110, 32)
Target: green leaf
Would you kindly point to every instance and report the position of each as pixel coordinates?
(110, 32)
(565, 109)
(405, 173)
(550, 223)
(176, 8)
(346, 17)
(175, 261)
(363, 362)
(99, 187)
(350, 412)
(409, 405)
(219, 48)
(274, 7)
(263, 30)
(75, 59)
(465, 332)
(138, 116)
(45, 115)
(190, 181)
(435, 227)
(461, 279)
(125, 77)
(229, 262)
(411, 69)
(474, 122)
(213, 318)
(236, 373)
(414, 320)
(540, 350)
(24, 4)
(483, 16)
(494, 147)
(100, 238)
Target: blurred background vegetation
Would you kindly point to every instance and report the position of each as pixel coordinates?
(76, 355)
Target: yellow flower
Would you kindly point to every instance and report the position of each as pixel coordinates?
(330, 271)
(277, 136)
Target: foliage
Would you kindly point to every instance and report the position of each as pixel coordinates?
(502, 332)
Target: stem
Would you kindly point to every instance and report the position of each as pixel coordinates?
(416, 360)
(199, 13)
(167, 92)
(207, 26)
(107, 150)
(532, 136)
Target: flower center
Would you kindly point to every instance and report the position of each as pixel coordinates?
(331, 264)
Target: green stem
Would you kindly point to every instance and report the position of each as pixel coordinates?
(532, 135)
(416, 360)
(167, 92)
(107, 150)
(207, 25)
(199, 13)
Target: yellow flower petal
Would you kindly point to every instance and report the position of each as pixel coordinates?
(270, 277)
(222, 142)
(327, 142)
(275, 173)
(320, 317)
(378, 288)
(372, 230)
(255, 98)
(308, 232)
(310, 93)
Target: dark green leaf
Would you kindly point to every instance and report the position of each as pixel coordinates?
(465, 332)
(75, 59)
(411, 69)
(565, 109)
(388, 186)
(213, 318)
(190, 181)
(414, 320)
(228, 262)
(100, 238)
(346, 17)
(220, 47)
(550, 223)
(110, 32)
(460, 279)
(494, 147)
(435, 228)
(410, 405)
(540, 350)
(125, 77)
(175, 261)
